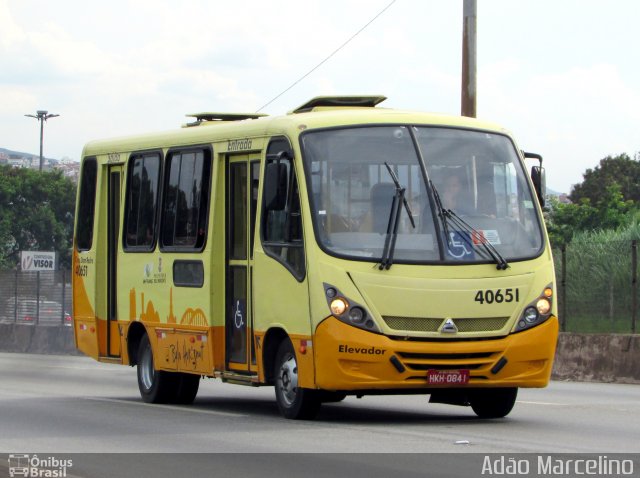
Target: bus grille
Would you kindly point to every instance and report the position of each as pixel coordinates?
(450, 361)
(429, 324)
(415, 324)
(485, 324)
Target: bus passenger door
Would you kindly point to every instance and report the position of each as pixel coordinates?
(241, 199)
(112, 336)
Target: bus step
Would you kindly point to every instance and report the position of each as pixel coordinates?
(109, 359)
(238, 379)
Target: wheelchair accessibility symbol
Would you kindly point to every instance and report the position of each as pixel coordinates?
(459, 245)
(238, 318)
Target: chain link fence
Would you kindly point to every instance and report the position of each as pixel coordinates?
(598, 286)
(38, 298)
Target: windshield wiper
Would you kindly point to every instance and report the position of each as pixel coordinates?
(449, 216)
(399, 200)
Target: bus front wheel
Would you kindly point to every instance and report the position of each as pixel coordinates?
(493, 402)
(294, 402)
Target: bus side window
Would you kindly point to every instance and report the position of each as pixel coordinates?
(142, 201)
(281, 220)
(86, 206)
(186, 199)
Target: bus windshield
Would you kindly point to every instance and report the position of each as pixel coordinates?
(474, 177)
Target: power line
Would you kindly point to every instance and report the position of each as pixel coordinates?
(328, 57)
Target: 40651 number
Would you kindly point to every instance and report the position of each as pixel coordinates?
(497, 296)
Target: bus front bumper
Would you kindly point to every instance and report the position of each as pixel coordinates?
(348, 358)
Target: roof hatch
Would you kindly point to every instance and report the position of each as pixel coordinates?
(340, 101)
(213, 117)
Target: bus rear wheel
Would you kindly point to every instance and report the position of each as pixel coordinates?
(186, 388)
(493, 402)
(293, 401)
(155, 386)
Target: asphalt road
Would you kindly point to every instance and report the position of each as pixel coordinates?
(65, 404)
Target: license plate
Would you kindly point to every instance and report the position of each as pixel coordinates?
(448, 377)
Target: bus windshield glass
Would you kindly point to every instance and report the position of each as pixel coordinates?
(473, 206)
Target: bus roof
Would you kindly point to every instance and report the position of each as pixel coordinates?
(320, 112)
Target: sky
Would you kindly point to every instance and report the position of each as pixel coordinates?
(562, 75)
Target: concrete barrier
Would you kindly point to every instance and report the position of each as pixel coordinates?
(579, 357)
(54, 340)
(598, 358)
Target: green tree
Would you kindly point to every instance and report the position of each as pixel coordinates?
(36, 213)
(621, 170)
(563, 220)
(614, 211)
(611, 211)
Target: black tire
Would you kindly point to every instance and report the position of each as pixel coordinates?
(293, 402)
(155, 386)
(186, 388)
(331, 397)
(493, 402)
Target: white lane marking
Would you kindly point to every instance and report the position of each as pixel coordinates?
(23, 394)
(545, 403)
(99, 367)
(166, 407)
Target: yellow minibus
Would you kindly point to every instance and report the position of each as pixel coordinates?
(341, 249)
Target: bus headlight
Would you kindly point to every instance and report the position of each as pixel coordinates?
(537, 311)
(348, 311)
(530, 315)
(338, 306)
(330, 292)
(357, 315)
(543, 305)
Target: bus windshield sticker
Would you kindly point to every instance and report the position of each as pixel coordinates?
(459, 246)
(481, 236)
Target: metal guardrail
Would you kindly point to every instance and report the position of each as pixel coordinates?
(36, 298)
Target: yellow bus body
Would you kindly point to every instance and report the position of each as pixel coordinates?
(188, 327)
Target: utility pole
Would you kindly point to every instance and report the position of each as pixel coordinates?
(469, 58)
(42, 116)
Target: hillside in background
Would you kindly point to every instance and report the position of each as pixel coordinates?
(21, 154)
(551, 192)
(18, 159)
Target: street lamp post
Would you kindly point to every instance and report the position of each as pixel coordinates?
(42, 116)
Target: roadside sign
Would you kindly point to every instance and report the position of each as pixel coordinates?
(37, 261)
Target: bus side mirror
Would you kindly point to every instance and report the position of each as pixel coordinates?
(275, 186)
(538, 177)
(539, 183)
